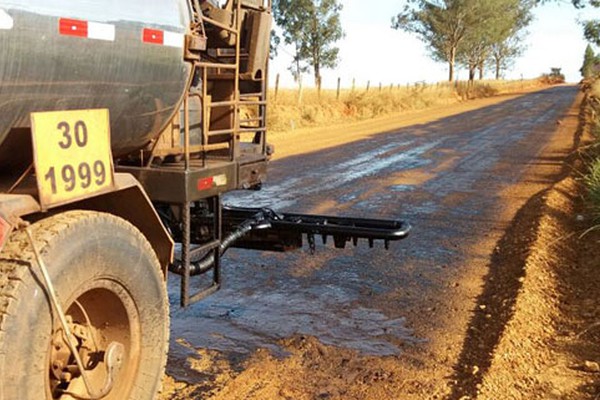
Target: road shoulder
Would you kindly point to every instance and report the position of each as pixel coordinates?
(534, 334)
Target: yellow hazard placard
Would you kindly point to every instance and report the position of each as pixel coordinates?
(72, 156)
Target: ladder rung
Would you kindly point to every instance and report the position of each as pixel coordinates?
(253, 7)
(205, 292)
(196, 253)
(217, 65)
(208, 147)
(232, 103)
(251, 130)
(248, 120)
(222, 103)
(231, 131)
(254, 102)
(220, 132)
(244, 95)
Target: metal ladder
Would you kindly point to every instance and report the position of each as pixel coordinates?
(221, 66)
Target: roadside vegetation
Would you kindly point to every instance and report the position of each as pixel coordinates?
(290, 110)
(592, 179)
(590, 70)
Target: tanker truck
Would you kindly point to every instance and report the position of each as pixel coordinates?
(122, 124)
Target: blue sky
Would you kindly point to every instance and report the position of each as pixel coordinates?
(371, 50)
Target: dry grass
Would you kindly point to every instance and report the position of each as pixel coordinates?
(594, 90)
(288, 112)
(591, 154)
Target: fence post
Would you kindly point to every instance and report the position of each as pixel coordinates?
(522, 85)
(380, 86)
(276, 86)
(299, 89)
(338, 88)
(368, 86)
(319, 88)
(353, 84)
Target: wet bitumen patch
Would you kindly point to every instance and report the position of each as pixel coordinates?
(260, 306)
(342, 297)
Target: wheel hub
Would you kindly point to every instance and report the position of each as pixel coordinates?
(63, 367)
(62, 363)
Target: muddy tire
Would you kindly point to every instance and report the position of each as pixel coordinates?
(102, 265)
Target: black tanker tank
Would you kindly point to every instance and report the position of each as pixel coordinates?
(126, 56)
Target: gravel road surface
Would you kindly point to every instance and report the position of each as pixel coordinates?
(459, 180)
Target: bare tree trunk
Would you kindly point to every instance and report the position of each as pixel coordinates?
(451, 65)
(497, 68)
(276, 87)
(317, 69)
(480, 67)
(319, 87)
(298, 68)
(471, 73)
(300, 89)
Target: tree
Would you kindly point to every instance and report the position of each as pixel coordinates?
(298, 67)
(591, 31)
(274, 47)
(589, 63)
(477, 41)
(503, 53)
(591, 28)
(583, 3)
(463, 31)
(508, 42)
(442, 26)
(312, 27)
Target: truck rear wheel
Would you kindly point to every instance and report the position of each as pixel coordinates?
(109, 283)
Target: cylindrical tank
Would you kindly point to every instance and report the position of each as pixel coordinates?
(126, 56)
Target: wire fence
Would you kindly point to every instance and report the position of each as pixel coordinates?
(462, 88)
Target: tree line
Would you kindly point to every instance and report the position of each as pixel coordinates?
(472, 33)
(475, 34)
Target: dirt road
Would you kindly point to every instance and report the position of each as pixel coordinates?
(368, 323)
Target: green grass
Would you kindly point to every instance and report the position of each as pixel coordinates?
(592, 178)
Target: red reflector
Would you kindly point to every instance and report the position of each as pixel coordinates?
(153, 36)
(73, 27)
(205, 183)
